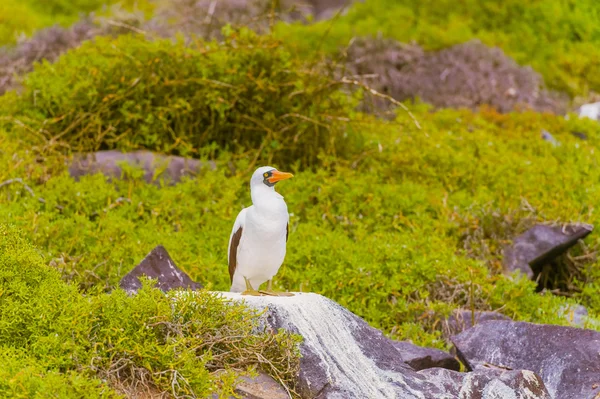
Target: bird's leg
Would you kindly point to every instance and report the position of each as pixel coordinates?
(249, 289)
(269, 290)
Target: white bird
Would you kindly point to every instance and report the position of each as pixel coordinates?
(259, 236)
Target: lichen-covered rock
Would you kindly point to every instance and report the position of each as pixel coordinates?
(344, 357)
(489, 384)
(566, 358)
(159, 265)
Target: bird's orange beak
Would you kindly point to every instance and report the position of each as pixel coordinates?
(277, 176)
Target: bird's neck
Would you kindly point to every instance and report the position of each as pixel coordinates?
(267, 201)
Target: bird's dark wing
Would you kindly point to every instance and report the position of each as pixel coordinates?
(287, 232)
(235, 242)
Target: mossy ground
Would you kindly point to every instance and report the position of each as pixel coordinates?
(401, 222)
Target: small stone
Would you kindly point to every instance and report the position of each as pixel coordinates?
(591, 111)
(540, 244)
(158, 265)
(420, 358)
(576, 315)
(550, 138)
(261, 387)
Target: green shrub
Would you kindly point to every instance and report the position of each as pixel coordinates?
(558, 38)
(190, 346)
(248, 94)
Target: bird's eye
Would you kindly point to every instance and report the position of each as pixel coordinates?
(266, 174)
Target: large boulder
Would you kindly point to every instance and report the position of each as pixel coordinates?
(344, 357)
(158, 265)
(566, 358)
(540, 244)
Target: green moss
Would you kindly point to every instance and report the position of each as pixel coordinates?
(560, 39)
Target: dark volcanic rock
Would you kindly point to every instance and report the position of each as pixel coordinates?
(540, 244)
(171, 168)
(419, 358)
(461, 319)
(567, 358)
(345, 358)
(159, 265)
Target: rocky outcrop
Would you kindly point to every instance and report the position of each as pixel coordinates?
(155, 166)
(344, 357)
(158, 265)
(566, 358)
(540, 244)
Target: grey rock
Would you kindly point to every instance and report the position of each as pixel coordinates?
(156, 166)
(540, 244)
(261, 387)
(319, 9)
(462, 319)
(591, 111)
(547, 136)
(489, 384)
(420, 358)
(580, 135)
(566, 358)
(159, 265)
(576, 315)
(345, 358)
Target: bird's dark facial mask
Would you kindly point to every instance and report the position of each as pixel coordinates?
(273, 176)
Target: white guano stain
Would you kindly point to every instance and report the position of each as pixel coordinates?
(327, 330)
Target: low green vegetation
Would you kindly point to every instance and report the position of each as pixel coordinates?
(560, 39)
(59, 343)
(400, 220)
(23, 17)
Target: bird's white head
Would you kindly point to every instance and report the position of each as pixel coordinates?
(264, 179)
(268, 176)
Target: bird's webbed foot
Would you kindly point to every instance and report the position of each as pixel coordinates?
(250, 290)
(269, 291)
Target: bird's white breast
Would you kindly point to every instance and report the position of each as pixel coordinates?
(263, 243)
